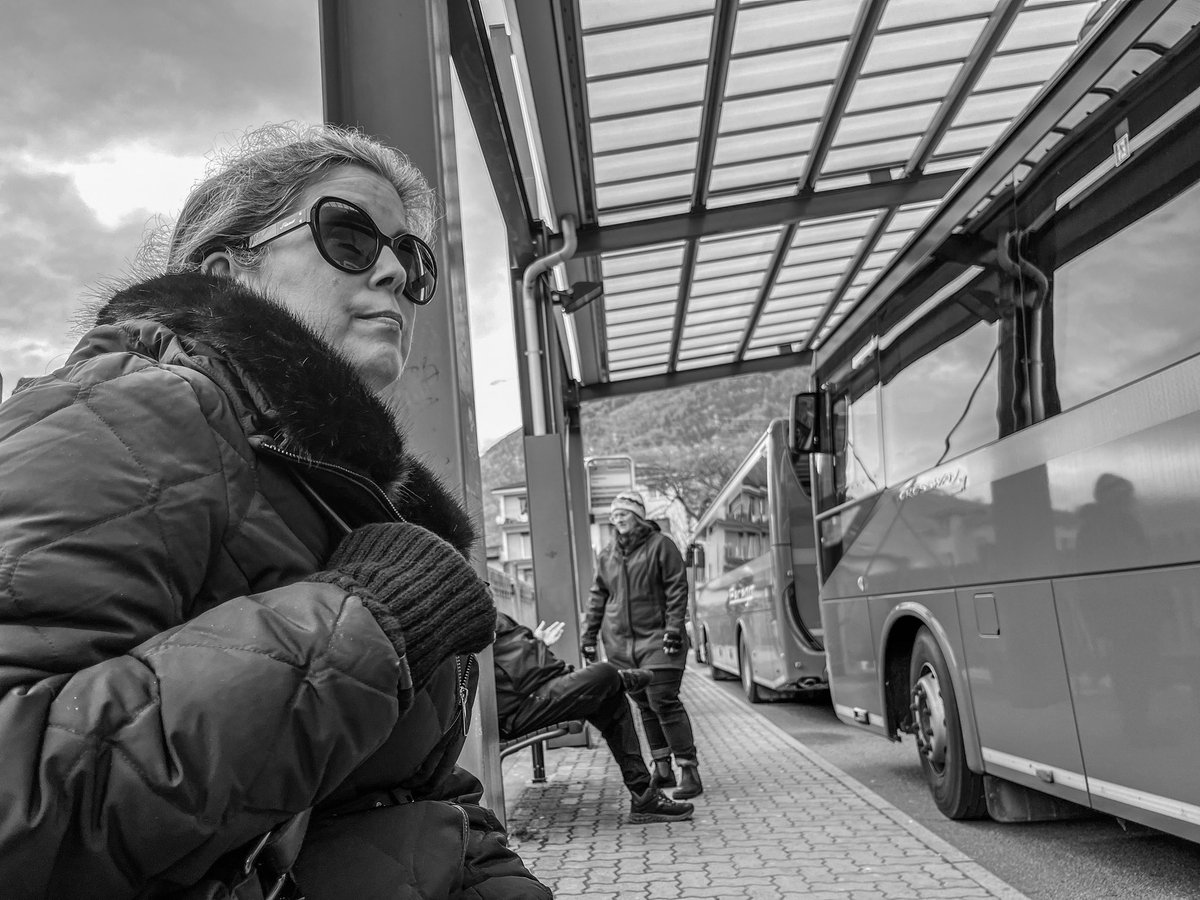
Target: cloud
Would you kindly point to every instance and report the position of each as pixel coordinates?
(76, 75)
(55, 249)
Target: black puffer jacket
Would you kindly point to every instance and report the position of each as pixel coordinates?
(170, 685)
(637, 594)
(523, 664)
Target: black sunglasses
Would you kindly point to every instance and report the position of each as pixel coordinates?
(349, 240)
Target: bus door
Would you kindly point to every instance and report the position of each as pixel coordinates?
(751, 595)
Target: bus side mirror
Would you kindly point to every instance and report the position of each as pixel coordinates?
(807, 431)
(695, 556)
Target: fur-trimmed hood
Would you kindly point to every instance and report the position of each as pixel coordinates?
(290, 387)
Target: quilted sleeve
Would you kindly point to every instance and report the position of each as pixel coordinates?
(135, 742)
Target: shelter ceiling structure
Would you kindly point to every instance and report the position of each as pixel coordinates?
(743, 175)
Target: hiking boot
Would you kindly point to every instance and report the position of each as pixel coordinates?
(689, 783)
(655, 806)
(663, 775)
(634, 680)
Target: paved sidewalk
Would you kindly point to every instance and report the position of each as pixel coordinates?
(775, 821)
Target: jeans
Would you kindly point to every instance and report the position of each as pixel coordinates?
(593, 693)
(668, 728)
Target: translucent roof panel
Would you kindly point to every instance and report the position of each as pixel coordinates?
(786, 107)
(907, 13)
(622, 50)
(733, 125)
(646, 130)
(767, 71)
(764, 144)
(922, 46)
(645, 163)
(773, 26)
(595, 14)
(650, 90)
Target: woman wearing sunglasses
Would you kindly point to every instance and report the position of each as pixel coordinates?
(236, 616)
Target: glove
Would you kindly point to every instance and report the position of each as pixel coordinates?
(588, 651)
(424, 595)
(672, 642)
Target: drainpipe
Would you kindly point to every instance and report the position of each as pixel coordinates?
(533, 350)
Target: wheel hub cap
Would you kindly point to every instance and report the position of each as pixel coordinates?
(929, 714)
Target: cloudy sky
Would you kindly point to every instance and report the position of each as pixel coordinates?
(110, 110)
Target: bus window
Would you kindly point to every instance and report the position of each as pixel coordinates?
(943, 397)
(858, 460)
(742, 529)
(1106, 334)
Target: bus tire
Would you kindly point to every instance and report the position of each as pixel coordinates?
(957, 791)
(746, 668)
(713, 671)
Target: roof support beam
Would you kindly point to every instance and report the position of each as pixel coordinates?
(764, 214)
(852, 62)
(693, 376)
(470, 49)
(993, 33)
(687, 271)
(777, 258)
(1110, 39)
(864, 250)
(714, 91)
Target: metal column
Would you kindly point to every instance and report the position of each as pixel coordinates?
(386, 68)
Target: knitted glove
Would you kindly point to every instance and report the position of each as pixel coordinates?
(424, 595)
(672, 642)
(588, 651)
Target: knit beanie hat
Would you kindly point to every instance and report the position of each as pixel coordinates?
(630, 501)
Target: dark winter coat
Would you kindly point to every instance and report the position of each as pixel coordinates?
(638, 594)
(170, 685)
(522, 663)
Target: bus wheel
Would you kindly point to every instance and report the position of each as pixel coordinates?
(957, 791)
(717, 674)
(746, 667)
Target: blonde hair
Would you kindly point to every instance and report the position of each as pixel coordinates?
(259, 180)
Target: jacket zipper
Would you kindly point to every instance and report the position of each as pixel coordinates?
(464, 675)
(365, 483)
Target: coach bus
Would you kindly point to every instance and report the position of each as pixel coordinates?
(1005, 459)
(753, 577)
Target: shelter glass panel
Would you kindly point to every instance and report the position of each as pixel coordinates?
(738, 198)
(644, 163)
(667, 44)
(895, 89)
(755, 174)
(651, 90)
(1023, 68)
(767, 142)
(644, 212)
(939, 43)
(791, 68)
(905, 120)
(1039, 27)
(785, 108)
(906, 13)
(664, 127)
(635, 192)
(608, 13)
(871, 156)
(626, 263)
(775, 25)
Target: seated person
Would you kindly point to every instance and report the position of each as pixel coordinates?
(534, 688)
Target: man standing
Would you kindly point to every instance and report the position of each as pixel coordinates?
(534, 688)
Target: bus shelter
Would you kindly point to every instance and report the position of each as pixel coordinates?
(698, 189)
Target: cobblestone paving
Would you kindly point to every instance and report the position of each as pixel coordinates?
(775, 821)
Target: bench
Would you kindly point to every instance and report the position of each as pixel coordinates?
(537, 741)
